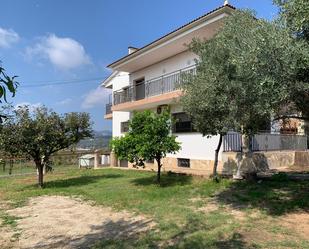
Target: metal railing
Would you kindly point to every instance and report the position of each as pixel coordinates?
(108, 108)
(270, 142)
(160, 85)
(265, 141)
(232, 142)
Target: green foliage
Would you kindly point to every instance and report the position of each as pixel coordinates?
(295, 14)
(40, 133)
(245, 74)
(148, 138)
(6, 83)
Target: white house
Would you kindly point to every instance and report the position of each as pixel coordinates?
(146, 78)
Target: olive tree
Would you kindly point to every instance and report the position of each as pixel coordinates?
(41, 132)
(294, 16)
(241, 77)
(149, 138)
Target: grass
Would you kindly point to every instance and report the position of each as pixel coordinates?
(247, 214)
(27, 168)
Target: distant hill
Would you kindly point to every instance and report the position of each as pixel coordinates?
(100, 140)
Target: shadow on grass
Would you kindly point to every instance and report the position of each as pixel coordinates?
(236, 241)
(199, 232)
(110, 234)
(167, 180)
(79, 181)
(277, 195)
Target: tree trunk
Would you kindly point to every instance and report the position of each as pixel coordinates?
(40, 169)
(215, 173)
(159, 170)
(11, 167)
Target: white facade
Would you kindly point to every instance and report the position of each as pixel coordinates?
(164, 56)
(170, 65)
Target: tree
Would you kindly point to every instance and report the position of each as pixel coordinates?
(294, 15)
(149, 138)
(41, 132)
(240, 79)
(9, 150)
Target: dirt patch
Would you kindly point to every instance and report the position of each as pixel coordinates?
(63, 222)
(298, 222)
(7, 238)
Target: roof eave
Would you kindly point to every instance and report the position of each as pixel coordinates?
(170, 35)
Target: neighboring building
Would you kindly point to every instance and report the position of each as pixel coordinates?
(147, 78)
(86, 161)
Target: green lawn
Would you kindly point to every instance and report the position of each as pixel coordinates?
(190, 212)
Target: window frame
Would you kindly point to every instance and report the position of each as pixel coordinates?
(124, 127)
(186, 161)
(183, 130)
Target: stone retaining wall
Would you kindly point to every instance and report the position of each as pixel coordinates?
(257, 161)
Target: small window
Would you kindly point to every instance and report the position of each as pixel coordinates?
(183, 123)
(124, 127)
(183, 162)
(150, 161)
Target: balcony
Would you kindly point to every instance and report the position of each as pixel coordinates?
(158, 86)
(108, 109)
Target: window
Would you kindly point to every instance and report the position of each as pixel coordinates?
(183, 123)
(124, 127)
(150, 161)
(183, 162)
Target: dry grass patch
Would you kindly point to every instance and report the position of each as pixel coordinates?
(297, 222)
(63, 222)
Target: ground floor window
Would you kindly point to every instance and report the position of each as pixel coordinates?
(124, 127)
(182, 123)
(183, 162)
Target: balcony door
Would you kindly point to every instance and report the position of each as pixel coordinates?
(139, 89)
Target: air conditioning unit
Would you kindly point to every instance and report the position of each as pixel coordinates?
(162, 108)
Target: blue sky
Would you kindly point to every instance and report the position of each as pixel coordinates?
(53, 41)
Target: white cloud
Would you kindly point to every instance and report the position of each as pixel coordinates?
(65, 101)
(98, 96)
(31, 106)
(63, 53)
(8, 37)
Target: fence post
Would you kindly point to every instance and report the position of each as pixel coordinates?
(96, 159)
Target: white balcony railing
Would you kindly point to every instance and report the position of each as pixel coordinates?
(157, 86)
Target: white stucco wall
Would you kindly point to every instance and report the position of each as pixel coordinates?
(119, 117)
(121, 80)
(195, 146)
(177, 62)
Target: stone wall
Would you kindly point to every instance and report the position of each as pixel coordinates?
(262, 161)
(258, 161)
(302, 159)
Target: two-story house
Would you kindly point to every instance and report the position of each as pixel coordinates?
(147, 78)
